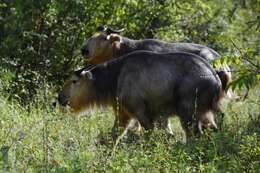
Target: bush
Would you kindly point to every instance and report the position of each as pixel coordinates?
(45, 42)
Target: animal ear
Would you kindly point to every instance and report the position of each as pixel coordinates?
(114, 37)
(88, 74)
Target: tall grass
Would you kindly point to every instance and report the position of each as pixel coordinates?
(39, 138)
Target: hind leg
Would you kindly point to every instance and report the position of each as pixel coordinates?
(187, 127)
(164, 123)
(169, 128)
(194, 125)
(188, 121)
(207, 120)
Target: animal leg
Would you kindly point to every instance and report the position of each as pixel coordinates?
(169, 128)
(207, 120)
(165, 123)
(138, 111)
(122, 119)
(121, 136)
(187, 127)
(144, 120)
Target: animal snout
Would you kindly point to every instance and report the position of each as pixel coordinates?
(63, 100)
(84, 51)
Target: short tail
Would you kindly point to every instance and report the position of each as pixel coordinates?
(225, 78)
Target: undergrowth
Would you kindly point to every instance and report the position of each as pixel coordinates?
(40, 138)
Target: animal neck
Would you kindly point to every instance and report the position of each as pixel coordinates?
(105, 82)
(126, 46)
(98, 59)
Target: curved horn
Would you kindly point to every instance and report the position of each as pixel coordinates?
(78, 72)
(87, 73)
(108, 30)
(86, 68)
(116, 31)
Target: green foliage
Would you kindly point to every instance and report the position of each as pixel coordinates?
(46, 140)
(245, 68)
(39, 47)
(40, 40)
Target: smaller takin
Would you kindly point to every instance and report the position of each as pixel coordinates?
(148, 86)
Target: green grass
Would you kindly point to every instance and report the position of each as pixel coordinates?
(42, 139)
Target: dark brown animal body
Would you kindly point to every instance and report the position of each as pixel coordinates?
(149, 85)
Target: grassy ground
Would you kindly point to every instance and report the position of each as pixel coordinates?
(45, 140)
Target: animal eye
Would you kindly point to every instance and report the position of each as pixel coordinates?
(74, 81)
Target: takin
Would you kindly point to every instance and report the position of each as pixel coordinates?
(109, 44)
(146, 86)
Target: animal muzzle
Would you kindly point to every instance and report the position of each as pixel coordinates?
(63, 100)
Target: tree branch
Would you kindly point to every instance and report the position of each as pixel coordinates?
(245, 57)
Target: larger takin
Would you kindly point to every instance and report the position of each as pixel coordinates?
(148, 85)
